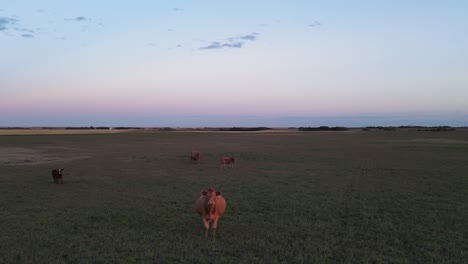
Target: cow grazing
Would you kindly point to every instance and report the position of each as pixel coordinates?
(196, 156)
(225, 161)
(211, 205)
(57, 175)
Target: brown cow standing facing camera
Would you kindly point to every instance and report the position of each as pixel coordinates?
(225, 161)
(196, 156)
(211, 205)
(57, 175)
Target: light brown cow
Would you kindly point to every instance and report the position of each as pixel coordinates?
(196, 156)
(227, 161)
(211, 205)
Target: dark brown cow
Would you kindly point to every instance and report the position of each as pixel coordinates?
(57, 175)
(211, 205)
(225, 161)
(196, 156)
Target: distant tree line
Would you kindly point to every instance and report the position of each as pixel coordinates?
(90, 127)
(244, 129)
(15, 128)
(122, 127)
(437, 129)
(419, 128)
(387, 128)
(103, 127)
(323, 128)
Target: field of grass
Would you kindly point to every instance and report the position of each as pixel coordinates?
(299, 197)
(45, 131)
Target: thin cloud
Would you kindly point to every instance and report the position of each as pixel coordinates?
(250, 37)
(234, 42)
(6, 21)
(234, 45)
(218, 45)
(213, 45)
(315, 24)
(85, 23)
(26, 30)
(78, 19)
(176, 9)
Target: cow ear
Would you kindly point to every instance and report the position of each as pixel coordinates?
(204, 193)
(218, 193)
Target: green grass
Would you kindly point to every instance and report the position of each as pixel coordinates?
(339, 197)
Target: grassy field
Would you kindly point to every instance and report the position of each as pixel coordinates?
(297, 197)
(15, 132)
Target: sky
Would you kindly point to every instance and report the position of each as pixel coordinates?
(233, 63)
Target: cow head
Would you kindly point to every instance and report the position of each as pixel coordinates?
(211, 196)
(195, 155)
(59, 171)
(232, 160)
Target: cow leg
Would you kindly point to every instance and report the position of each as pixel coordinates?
(214, 225)
(206, 225)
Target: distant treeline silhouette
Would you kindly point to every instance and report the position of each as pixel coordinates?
(323, 128)
(244, 129)
(437, 129)
(15, 128)
(103, 127)
(389, 128)
(419, 128)
(90, 127)
(320, 128)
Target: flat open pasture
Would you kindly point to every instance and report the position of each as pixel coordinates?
(14, 132)
(296, 197)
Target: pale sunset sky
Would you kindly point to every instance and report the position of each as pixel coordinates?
(233, 63)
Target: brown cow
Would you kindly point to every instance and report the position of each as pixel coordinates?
(196, 156)
(211, 205)
(57, 175)
(227, 161)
